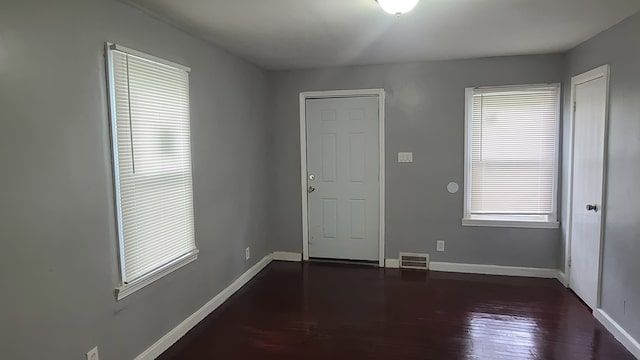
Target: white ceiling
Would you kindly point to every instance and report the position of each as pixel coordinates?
(286, 34)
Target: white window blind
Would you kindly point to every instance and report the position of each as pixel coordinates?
(512, 153)
(152, 160)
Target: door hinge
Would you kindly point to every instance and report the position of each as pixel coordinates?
(575, 105)
(569, 262)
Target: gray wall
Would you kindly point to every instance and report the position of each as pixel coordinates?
(58, 262)
(424, 114)
(620, 48)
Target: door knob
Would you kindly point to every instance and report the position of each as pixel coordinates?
(592, 207)
(312, 189)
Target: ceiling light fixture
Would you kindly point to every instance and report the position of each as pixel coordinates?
(397, 7)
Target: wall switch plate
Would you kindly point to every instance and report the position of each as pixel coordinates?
(247, 253)
(93, 354)
(440, 246)
(405, 157)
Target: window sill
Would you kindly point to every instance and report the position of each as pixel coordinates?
(130, 288)
(512, 223)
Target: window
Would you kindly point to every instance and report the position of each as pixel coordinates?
(511, 156)
(149, 101)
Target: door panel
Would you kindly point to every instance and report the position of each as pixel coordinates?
(329, 218)
(343, 170)
(357, 157)
(357, 217)
(329, 157)
(588, 168)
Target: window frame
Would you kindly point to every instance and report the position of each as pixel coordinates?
(126, 288)
(508, 220)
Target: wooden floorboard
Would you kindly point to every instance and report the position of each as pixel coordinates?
(339, 311)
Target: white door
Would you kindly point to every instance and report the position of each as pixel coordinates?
(590, 95)
(343, 177)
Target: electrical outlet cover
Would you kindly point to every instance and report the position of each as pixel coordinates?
(247, 253)
(405, 157)
(440, 245)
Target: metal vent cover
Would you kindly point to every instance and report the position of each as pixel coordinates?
(414, 261)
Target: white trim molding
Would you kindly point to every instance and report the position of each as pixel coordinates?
(494, 270)
(287, 256)
(562, 277)
(128, 289)
(179, 331)
(489, 270)
(140, 54)
(512, 224)
(618, 332)
(392, 263)
(303, 159)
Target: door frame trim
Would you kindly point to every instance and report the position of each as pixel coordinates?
(380, 94)
(602, 71)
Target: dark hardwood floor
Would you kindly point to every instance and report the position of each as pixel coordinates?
(337, 311)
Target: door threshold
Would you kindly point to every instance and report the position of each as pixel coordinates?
(373, 263)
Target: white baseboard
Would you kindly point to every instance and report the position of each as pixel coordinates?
(287, 256)
(563, 279)
(392, 263)
(489, 270)
(494, 270)
(618, 332)
(179, 331)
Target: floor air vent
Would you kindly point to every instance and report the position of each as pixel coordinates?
(414, 261)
